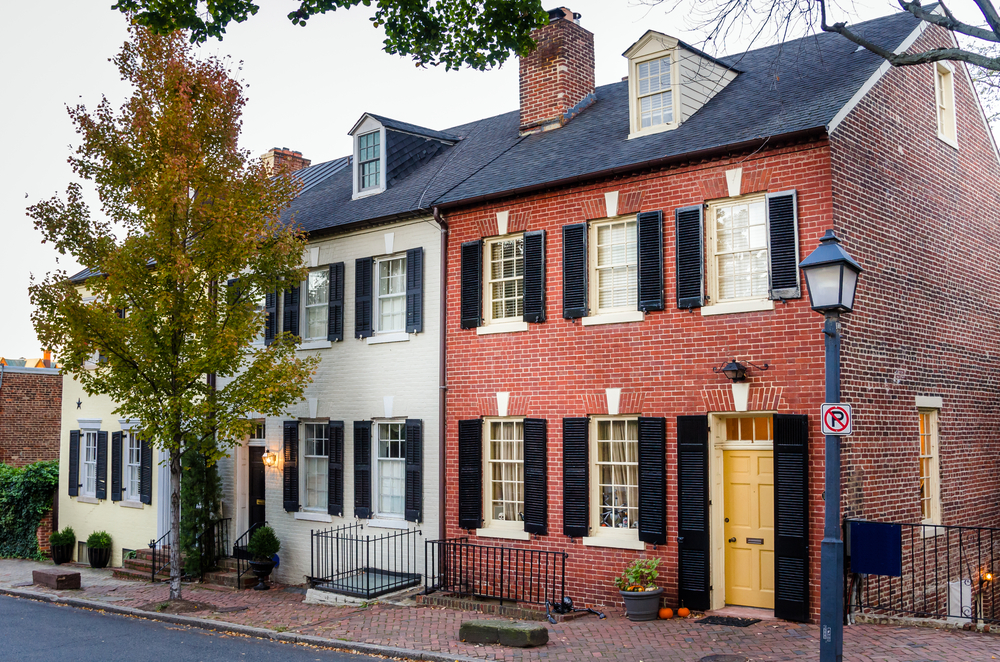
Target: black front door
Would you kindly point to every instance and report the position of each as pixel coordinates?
(256, 492)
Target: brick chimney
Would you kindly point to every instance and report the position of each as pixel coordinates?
(557, 79)
(280, 159)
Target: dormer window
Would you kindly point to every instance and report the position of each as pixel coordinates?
(656, 104)
(369, 159)
(370, 146)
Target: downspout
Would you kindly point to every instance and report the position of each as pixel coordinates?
(442, 376)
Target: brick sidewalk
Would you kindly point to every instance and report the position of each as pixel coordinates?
(613, 639)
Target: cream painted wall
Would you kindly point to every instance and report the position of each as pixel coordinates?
(351, 383)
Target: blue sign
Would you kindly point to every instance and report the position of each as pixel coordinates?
(876, 548)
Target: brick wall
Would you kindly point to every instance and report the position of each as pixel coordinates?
(30, 405)
(557, 76)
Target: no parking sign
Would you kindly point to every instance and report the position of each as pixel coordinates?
(837, 419)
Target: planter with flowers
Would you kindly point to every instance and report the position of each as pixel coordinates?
(637, 585)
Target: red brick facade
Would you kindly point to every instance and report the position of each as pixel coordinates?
(893, 192)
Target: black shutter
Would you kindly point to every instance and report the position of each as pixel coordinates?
(335, 314)
(692, 512)
(415, 290)
(535, 481)
(363, 297)
(414, 469)
(335, 468)
(145, 472)
(470, 474)
(271, 317)
(690, 249)
(116, 467)
(362, 469)
(534, 276)
(472, 287)
(101, 491)
(74, 463)
(791, 517)
(650, 233)
(290, 476)
(234, 291)
(574, 270)
(576, 483)
(290, 312)
(653, 480)
(783, 245)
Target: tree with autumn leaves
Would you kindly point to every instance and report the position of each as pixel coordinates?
(188, 240)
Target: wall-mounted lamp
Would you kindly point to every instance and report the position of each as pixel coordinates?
(269, 458)
(736, 371)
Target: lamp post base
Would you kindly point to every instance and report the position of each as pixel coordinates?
(831, 623)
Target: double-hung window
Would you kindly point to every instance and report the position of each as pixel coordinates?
(615, 491)
(930, 482)
(133, 461)
(391, 306)
(316, 465)
(944, 93)
(738, 250)
(615, 266)
(89, 463)
(505, 473)
(368, 161)
(317, 301)
(505, 279)
(390, 469)
(655, 93)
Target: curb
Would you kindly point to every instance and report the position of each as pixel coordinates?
(258, 633)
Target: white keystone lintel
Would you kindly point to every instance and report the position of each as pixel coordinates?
(741, 395)
(387, 405)
(611, 203)
(389, 238)
(314, 256)
(734, 179)
(503, 400)
(614, 396)
(502, 218)
(313, 406)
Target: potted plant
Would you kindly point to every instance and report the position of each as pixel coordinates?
(62, 543)
(637, 585)
(262, 549)
(99, 549)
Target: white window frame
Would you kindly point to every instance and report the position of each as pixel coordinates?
(378, 298)
(376, 468)
(604, 536)
(715, 305)
(306, 307)
(129, 468)
(630, 311)
(366, 126)
(376, 138)
(933, 459)
(258, 436)
(944, 102)
(259, 339)
(635, 107)
(306, 457)
(499, 324)
(497, 528)
(85, 436)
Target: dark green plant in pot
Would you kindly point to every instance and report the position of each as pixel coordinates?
(263, 544)
(99, 540)
(99, 549)
(62, 543)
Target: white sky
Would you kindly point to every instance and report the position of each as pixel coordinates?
(307, 88)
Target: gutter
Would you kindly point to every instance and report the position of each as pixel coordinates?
(442, 374)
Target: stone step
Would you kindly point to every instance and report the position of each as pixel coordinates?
(224, 578)
(136, 575)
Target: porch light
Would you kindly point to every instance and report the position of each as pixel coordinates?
(269, 458)
(736, 371)
(832, 276)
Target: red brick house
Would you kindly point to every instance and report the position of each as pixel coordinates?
(625, 240)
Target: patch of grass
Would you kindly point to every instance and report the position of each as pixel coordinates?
(280, 628)
(162, 606)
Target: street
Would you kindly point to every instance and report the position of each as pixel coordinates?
(38, 631)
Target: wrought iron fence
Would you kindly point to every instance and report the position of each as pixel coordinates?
(507, 573)
(945, 572)
(346, 561)
(159, 555)
(241, 554)
(213, 544)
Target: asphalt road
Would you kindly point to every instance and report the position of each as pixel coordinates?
(40, 631)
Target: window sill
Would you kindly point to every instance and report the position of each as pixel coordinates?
(653, 130)
(315, 344)
(401, 336)
(616, 542)
(502, 532)
(615, 318)
(386, 523)
(87, 499)
(931, 529)
(312, 516)
(730, 307)
(131, 504)
(951, 142)
(501, 327)
(364, 193)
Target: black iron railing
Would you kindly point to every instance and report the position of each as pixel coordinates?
(347, 561)
(945, 572)
(159, 555)
(241, 554)
(213, 544)
(507, 573)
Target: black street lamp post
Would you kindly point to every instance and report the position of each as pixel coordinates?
(832, 277)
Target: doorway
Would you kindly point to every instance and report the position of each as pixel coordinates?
(749, 527)
(256, 512)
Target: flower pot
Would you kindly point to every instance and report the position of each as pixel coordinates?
(642, 605)
(262, 569)
(99, 557)
(62, 553)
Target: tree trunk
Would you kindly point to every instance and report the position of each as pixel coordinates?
(176, 567)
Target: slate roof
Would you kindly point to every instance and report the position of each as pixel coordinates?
(315, 174)
(413, 128)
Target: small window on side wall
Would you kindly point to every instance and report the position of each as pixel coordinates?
(944, 93)
(930, 480)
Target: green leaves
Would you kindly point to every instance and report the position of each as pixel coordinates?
(478, 34)
(25, 496)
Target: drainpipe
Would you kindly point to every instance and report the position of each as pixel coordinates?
(442, 377)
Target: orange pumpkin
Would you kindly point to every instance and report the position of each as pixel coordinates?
(666, 612)
(683, 612)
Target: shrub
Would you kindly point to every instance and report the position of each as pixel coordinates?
(65, 537)
(639, 575)
(263, 544)
(25, 497)
(99, 540)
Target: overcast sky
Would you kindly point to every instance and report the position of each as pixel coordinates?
(307, 88)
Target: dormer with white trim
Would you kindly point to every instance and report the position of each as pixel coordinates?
(668, 81)
(369, 157)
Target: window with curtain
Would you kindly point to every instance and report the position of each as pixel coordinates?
(315, 465)
(617, 473)
(391, 468)
(505, 279)
(89, 463)
(317, 300)
(739, 250)
(505, 471)
(391, 295)
(133, 459)
(616, 265)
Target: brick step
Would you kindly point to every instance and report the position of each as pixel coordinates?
(228, 578)
(136, 575)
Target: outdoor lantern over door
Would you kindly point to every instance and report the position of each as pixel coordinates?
(832, 276)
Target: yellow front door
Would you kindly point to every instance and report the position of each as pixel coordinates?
(749, 528)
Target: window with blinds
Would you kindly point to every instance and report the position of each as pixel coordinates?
(616, 265)
(505, 279)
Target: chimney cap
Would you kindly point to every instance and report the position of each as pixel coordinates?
(563, 12)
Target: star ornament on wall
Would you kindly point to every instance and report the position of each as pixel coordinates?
(79, 403)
